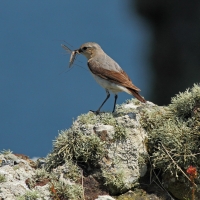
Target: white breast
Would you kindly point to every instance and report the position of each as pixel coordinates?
(113, 87)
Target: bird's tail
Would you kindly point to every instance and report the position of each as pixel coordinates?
(137, 95)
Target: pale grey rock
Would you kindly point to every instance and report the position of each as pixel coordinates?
(15, 181)
(104, 131)
(15, 177)
(43, 191)
(124, 155)
(105, 197)
(130, 105)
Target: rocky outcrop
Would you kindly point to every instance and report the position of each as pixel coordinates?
(109, 147)
(15, 171)
(140, 149)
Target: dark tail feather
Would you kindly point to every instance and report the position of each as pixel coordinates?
(138, 96)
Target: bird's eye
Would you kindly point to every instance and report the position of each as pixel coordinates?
(84, 48)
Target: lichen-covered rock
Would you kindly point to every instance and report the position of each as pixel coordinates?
(110, 147)
(173, 141)
(16, 172)
(138, 194)
(112, 153)
(105, 197)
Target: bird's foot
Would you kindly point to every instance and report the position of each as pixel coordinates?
(96, 112)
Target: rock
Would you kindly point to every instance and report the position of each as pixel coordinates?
(104, 197)
(105, 132)
(16, 175)
(99, 155)
(111, 146)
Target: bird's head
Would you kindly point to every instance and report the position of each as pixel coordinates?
(89, 49)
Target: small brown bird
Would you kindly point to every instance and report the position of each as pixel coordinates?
(108, 73)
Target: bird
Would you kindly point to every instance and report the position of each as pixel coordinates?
(107, 73)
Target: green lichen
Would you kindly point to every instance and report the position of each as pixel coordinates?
(174, 132)
(69, 170)
(120, 131)
(73, 144)
(134, 101)
(16, 167)
(106, 119)
(89, 118)
(41, 174)
(114, 179)
(138, 194)
(67, 191)
(121, 110)
(6, 152)
(29, 195)
(183, 103)
(79, 146)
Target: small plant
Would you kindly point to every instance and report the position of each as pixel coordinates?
(60, 190)
(6, 152)
(192, 172)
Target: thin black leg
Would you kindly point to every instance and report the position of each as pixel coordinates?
(107, 97)
(116, 96)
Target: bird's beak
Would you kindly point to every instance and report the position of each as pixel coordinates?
(78, 51)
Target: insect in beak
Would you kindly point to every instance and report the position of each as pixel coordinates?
(73, 54)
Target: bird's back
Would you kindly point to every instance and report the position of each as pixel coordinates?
(106, 62)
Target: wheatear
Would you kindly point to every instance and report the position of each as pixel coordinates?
(107, 73)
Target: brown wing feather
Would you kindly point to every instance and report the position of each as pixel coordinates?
(120, 78)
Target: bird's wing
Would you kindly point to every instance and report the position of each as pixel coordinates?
(118, 77)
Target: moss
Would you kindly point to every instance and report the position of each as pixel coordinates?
(2, 178)
(174, 132)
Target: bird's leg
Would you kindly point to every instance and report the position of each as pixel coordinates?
(116, 96)
(107, 97)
